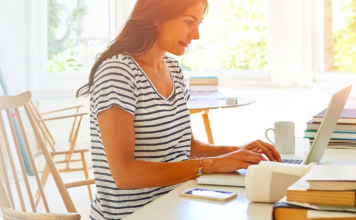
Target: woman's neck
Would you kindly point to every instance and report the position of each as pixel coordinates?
(152, 58)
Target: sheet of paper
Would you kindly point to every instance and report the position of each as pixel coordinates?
(333, 173)
(260, 180)
(327, 214)
(322, 207)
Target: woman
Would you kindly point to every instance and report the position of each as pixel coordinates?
(142, 143)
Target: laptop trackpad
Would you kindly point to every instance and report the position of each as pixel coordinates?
(236, 178)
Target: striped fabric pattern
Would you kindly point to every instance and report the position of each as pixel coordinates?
(162, 129)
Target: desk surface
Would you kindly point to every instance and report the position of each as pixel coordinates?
(172, 206)
(214, 100)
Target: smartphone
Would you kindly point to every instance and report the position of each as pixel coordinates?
(216, 195)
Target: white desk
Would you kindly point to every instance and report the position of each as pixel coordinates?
(203, 102)
(172, 206)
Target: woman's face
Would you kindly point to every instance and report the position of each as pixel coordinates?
(175, 35)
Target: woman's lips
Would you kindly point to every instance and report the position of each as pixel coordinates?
(183, 44)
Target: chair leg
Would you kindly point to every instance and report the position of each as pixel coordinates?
(86, 173)
(73, 143)
(206, 121)
(44, 178)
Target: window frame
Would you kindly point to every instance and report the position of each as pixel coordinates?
(321, 75)
(41, 79)
(311, 10)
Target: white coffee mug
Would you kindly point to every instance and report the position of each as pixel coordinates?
(284, 135)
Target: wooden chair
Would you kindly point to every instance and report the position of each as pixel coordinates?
(73, 135)
(9, 213)
(7, 202)
(67, 149)
(6, 196)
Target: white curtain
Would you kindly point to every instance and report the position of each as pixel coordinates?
(291, 33)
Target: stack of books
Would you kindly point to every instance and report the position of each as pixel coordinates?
(326, 192)
(203, 84)
(344, 135)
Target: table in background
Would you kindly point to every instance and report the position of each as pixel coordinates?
(202, 102)
(173, 207)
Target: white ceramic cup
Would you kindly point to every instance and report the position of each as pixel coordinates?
(284, 135)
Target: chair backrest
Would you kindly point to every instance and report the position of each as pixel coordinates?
(10, 106)
(44, 131)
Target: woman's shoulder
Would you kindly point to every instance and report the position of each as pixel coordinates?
(116, 68)
(116, 61)
(119, 64)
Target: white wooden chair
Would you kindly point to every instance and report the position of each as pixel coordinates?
(67, 149)
(7, 202)
(9, 213)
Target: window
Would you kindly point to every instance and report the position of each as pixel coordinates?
(242, 42)
(232, 37)
(77, 30)
(65, 38)
(339, 36)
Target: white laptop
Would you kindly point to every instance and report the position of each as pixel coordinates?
(315, 153)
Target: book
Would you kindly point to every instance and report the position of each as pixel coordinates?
(231, 100)
(300, 192)
(337, 141)
(347, 135)
(338, 144)
(333, 142)
(203, 77)
(311, 125)
(341, 147)
(332, 177)
(347, 116)
(196, 88)
(203, 82)
(284, 210)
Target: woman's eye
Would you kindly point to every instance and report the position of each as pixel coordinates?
(189, 22)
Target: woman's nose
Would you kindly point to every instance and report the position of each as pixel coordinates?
(195, 34)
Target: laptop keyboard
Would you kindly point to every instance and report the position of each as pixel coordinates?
(292, 161)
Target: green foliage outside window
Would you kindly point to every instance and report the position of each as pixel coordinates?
(344, 44)
(59, 53)
(234, 37)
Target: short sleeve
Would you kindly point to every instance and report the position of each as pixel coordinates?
(114, 85)
(185, 88)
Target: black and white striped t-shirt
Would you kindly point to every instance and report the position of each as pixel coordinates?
(162, 129)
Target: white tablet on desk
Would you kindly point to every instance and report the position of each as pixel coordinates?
(236, 178)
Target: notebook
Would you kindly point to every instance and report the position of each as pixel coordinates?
(332, 177)
(236, 178)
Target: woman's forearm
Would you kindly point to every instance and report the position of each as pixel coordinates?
(143, 174)
(199, 149)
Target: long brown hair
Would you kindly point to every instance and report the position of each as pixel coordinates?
(139, 33)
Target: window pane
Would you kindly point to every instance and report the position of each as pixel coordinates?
(77, 31)
(340, 52)
(232, 37)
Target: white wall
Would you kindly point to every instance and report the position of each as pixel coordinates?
(14, 62)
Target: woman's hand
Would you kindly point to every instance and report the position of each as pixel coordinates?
(240, 159)
(265, 148)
